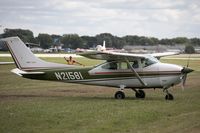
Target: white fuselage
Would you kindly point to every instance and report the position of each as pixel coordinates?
(158, 75)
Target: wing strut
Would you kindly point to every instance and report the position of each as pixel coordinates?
(136, 74)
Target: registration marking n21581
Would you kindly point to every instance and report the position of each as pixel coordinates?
(68, 75)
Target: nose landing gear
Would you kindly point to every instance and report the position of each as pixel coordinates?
(168, 96)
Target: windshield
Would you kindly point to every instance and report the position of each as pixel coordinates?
(150, 60)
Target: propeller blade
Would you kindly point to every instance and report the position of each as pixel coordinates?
(184, 79)
(183, 87)
(185, 71)
(188, 61)
(183, 82)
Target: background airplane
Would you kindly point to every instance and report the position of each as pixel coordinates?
(121, 70)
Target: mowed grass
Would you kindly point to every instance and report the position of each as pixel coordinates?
(53, 107)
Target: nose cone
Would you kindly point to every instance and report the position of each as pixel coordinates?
(186, 70)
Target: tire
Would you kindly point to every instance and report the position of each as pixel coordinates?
(169, 97)
(119, 95)
(140, 94)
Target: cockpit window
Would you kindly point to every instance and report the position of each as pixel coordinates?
(136, 64)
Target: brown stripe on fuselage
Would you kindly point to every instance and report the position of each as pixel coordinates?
(140, 73)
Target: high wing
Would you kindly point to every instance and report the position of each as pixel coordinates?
(159, 55)
(108, 55)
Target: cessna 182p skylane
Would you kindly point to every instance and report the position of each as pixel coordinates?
(121, 70)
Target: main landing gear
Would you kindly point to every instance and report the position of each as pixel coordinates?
(119, 95)
(138, 94)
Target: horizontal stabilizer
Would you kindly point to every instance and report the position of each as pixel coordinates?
(21, 72)
(6, 63)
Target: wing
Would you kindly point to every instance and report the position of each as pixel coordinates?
(159, 55)
(108, 55)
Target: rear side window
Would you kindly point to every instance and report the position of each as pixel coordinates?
(115, 65)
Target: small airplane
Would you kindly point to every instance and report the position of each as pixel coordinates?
(120, 70)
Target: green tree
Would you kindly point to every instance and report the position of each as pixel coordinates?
(89, 41)
(180, 40)
(107, 37)
(195, 41)
(56, 39)
(72, 41)
(24, 35)
(189, 49)
(131, 40)
(44, 40)
(166, 41)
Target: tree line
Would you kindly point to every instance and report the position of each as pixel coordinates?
(74, 41)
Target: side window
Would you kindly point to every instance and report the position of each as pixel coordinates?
(123, 65)
(110, 65)
(115, 65)
(135, 64)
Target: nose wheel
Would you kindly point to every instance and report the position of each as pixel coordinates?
(168, 96)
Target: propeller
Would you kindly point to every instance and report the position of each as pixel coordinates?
(185, 71)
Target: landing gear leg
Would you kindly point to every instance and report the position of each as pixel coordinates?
(168, 95)
(120, 94)
(139, 93)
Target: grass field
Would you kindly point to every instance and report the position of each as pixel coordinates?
(52, 107)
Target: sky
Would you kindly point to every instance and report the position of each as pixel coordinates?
(152, 18)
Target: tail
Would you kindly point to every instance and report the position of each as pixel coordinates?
(24, 58)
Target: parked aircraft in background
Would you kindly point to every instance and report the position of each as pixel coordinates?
(120, 70)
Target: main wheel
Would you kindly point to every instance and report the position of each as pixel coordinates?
(169, 97)
(119, 95)
(140, 94)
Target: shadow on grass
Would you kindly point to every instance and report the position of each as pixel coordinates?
(73, 98)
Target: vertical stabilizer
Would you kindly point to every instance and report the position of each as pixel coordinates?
(24, 58)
